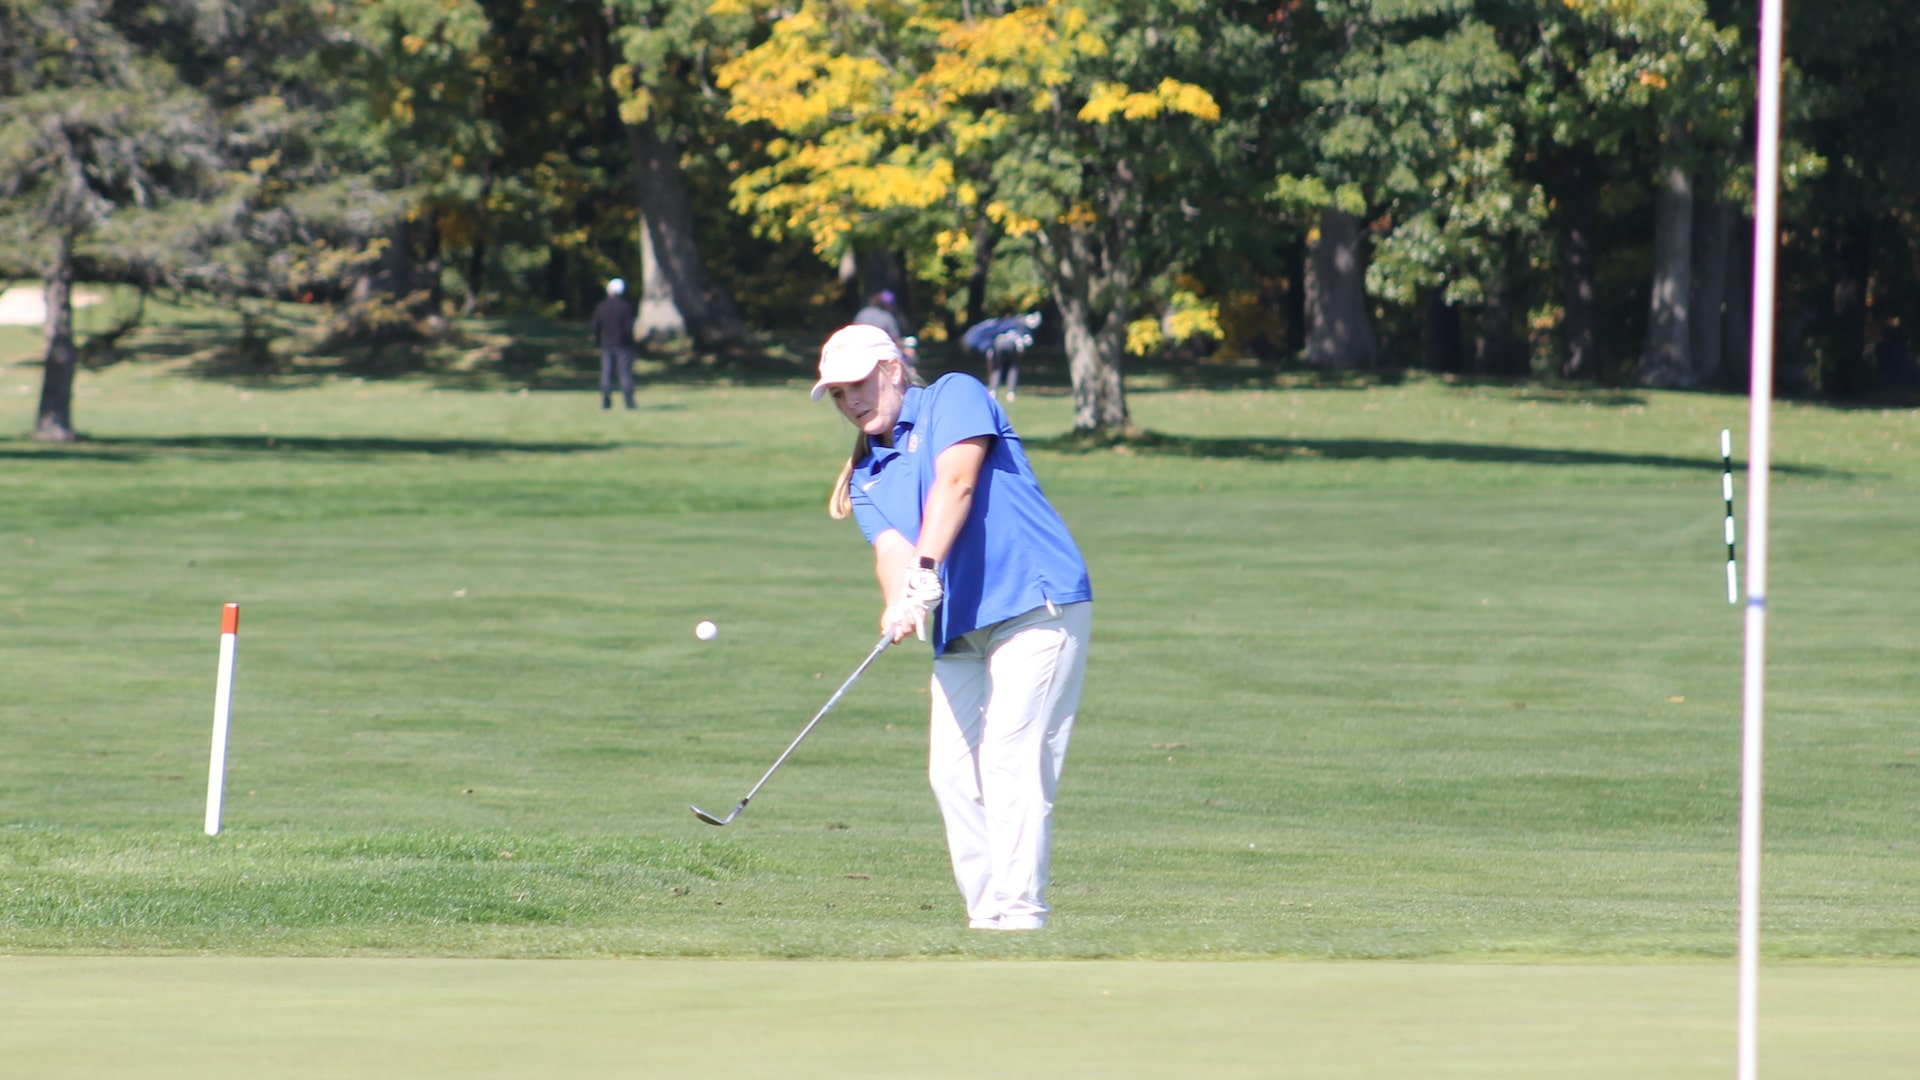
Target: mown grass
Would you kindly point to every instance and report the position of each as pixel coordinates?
(1427, 670)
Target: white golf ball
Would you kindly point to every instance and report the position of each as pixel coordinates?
(706, 631)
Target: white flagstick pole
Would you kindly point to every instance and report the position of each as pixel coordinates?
(222, 706)
(1766, 234)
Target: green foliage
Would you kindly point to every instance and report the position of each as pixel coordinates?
(468, 154)
(106, 144)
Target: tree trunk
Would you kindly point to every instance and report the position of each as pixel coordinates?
(556, 275)
(1340, 334)
(1713, 222)
(476, 277)
(1848, 370)
(985, 238)
(675, 295)
(476, 271)
(1440, 336)
(396, 269)
(1737, 342)
(885, 274)
(849, 277)
(54, 422)
(1578, 192)
(1498, 346)
(1296, 262)
(1664, 361)
(706, 309)
(1089, 281)
(659, 316)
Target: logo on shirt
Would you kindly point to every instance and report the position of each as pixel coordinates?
(868, 486)
(913, 443)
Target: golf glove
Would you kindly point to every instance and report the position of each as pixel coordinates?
(920, 597)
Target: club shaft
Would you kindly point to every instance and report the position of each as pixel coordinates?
(878, 648)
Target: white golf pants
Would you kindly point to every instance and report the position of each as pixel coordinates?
(1003, 703)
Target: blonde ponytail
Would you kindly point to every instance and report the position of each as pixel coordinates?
(840, 500)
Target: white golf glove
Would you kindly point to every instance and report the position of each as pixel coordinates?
(920, 597)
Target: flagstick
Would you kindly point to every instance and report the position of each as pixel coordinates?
(222, 706)
(1766, 234)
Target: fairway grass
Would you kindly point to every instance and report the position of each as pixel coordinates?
(1427, 671)
(212, 1019)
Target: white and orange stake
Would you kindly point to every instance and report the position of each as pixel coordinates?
(222, 707)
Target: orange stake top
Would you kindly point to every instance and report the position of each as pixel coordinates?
(230, 619)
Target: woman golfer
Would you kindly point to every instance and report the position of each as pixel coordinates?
(968, 550)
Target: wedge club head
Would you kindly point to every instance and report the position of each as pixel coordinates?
(711, 820)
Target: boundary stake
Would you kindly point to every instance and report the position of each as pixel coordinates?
(222, 708)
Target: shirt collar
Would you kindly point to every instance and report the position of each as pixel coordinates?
(910, 404)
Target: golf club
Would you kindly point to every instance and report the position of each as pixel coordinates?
(880, 647)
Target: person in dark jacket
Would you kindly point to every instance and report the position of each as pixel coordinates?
(1002, 341)
(613, 332)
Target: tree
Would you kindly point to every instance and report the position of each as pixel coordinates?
(1851, 252)
(1685, 69)
(653, 57)
(106, 156)
(1410, 139)
(1086, 132)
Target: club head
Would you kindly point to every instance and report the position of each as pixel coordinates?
(709, 818)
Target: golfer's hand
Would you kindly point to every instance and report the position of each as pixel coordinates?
(919, 597)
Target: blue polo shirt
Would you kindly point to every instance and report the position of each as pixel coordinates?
(1014, 553)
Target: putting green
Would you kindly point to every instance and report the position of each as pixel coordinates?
(218, 1017)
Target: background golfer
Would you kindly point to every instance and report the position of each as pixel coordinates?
(968, 550)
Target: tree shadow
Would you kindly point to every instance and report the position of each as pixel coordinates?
(1044, 369)
(244, 447)
(532, 353)
(1279, 450)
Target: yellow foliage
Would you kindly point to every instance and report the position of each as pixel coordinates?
(1188, 316)
(1187, 98)
(1171, 95)
(1106, 99)
(636, 106)
(1144, 337)
(862, 135)
(1192, 317)
(1080, 215)
(1014, 223)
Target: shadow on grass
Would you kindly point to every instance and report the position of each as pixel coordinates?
(1044, 370)
(253, 446)
(531, 353)
(1262, 449)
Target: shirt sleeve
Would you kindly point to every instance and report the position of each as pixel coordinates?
(872, 522)
(960, 409)
(884, 497)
